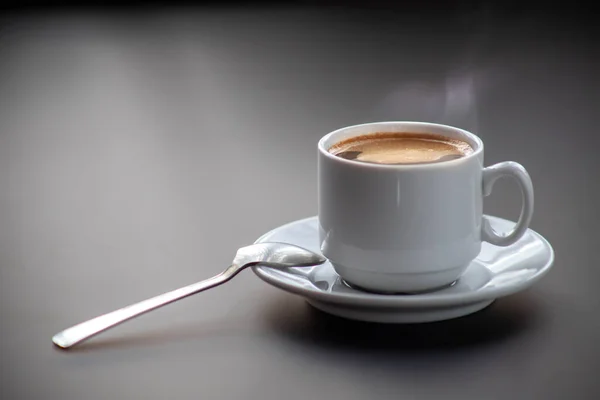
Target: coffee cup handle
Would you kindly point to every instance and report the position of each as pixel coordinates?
(517, 172)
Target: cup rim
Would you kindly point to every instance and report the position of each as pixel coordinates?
(472, 138)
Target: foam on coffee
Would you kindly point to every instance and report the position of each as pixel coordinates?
(401, 148)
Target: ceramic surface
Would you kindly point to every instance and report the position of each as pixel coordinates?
(414, 227)
(495, 272)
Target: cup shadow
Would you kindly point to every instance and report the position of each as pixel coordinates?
(506, 318)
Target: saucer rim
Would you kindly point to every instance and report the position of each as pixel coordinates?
(432, 299)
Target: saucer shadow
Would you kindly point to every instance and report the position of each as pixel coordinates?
(295, 319)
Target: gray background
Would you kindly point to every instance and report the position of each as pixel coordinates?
(139, 149)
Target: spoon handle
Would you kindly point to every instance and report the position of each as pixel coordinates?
(87, 329)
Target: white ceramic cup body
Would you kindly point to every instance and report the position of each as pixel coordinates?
(407, 228)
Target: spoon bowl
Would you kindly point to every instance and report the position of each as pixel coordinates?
(276, 255)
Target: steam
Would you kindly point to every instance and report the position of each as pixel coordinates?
(452, 101)
(450, 97)
(460, 102)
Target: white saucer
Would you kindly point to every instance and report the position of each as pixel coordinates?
(496, 272)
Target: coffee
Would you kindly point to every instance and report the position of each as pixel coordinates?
(401, 148)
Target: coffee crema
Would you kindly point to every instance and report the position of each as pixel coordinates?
(401, 148)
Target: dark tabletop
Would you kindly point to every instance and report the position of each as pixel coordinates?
(140, 149)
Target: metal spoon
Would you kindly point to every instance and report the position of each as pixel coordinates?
(275, 255)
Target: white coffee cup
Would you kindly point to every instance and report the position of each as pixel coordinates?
(409, 228)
